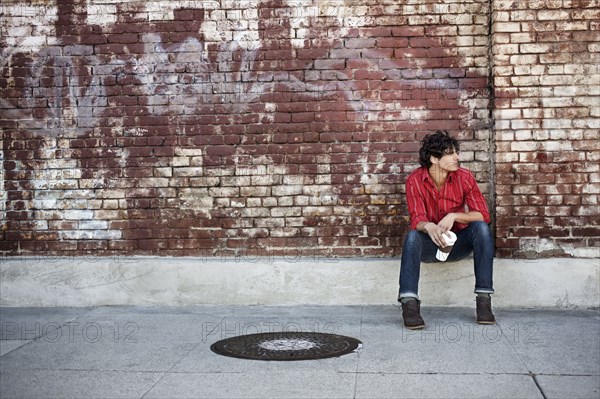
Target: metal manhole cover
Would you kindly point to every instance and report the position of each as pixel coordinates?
(286, 346)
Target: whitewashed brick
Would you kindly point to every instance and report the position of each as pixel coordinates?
(285, 201)
(589, 14)
(555, 145)
(93, 225)
(502, 124)
(256, 191)
(594, 47)
(293, 179)
(563, 91)
(187, 172)
(287, 190)
(163, 172)
(554, 58)
(78, 214)
(269, 202)
(525, 146)
(529, 59)
(526, 37)
(227, 192)
(532, 112)
(181, 161)
(252, 202)
(553, 15)
(541, 135)
(505, 49)
(557, 123)
(556, 80)
(591, 189)
(523, 15)
(153, 182)
(590, 123)
(508, 113)
(536, 48)
(110, 204)
(286, 211)
(525, 80)
(507, 27)
(468, 41)
(500, 81)
(576, 25)
(557, 101)
(504, 136)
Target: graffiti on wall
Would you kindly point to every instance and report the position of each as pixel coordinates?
(147, 120)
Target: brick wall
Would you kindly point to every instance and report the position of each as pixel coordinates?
(284, 127)
(546, 57)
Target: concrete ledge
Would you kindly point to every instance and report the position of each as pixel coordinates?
(85, 281)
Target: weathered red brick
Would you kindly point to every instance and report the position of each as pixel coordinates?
(329, 113)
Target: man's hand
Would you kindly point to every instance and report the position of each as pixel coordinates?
(435, 232)
(447, 222)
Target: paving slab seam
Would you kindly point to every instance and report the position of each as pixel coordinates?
(64, 324)
(89, 370)
(519, 358)
(19, 347)
(539, 386)
(131, 371)
(433, 373)
(565, 375)
(360, 334)
(337, 372)
(168, 371)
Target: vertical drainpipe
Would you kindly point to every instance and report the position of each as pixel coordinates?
(491, 147)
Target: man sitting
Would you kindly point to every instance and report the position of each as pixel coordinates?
(442, 197)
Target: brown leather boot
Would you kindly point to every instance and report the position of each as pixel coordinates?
(411, 313)
(484, 310)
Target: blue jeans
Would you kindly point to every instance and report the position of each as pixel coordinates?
(476, 238)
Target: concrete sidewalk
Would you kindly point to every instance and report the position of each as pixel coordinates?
(164, 352)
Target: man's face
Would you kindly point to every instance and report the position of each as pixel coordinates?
(448, 161)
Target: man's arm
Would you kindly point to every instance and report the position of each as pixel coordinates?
(418, 217)
(460, 217)
(435, 231)
(415, 202)
(476, 203)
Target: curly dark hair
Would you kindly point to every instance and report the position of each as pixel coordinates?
(436, 144)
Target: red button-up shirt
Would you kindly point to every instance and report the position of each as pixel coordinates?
(459, 193)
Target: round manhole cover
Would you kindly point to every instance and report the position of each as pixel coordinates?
(286, 346)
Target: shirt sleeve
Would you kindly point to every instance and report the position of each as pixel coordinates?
(415, 202)
(475, 200)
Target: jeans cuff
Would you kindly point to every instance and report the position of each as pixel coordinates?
(484, 291)
(407, 295)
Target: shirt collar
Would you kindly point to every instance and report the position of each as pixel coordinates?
(425, 176)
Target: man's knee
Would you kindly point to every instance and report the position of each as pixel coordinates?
(412, 238)
(481, 231)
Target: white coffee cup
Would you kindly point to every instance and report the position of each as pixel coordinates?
(450, 238)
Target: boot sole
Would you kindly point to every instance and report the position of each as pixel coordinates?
(486, 322)
(415, 327)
